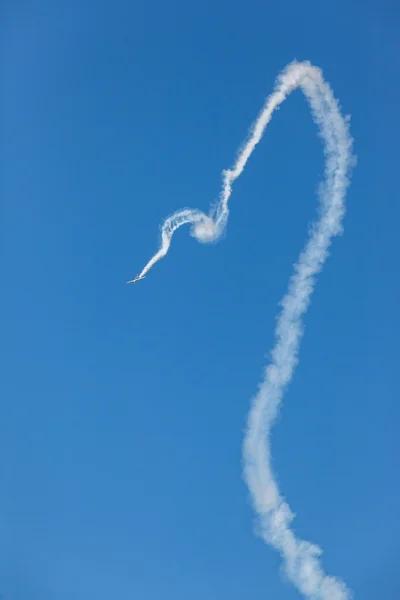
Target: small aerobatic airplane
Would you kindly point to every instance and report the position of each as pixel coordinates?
(137, 278)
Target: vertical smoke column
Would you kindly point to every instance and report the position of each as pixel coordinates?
(301, 558)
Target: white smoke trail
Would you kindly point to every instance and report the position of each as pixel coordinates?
(301, 558)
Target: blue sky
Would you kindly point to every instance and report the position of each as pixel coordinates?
(124, 407)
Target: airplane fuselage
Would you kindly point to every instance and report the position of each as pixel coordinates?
(136, 279)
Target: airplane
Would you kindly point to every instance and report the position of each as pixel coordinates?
(137, 278)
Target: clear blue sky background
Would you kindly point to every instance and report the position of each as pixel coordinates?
(123, 407)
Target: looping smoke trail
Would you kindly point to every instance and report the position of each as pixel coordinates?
(301, 558)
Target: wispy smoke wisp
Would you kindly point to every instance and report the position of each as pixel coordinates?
(301, 559)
